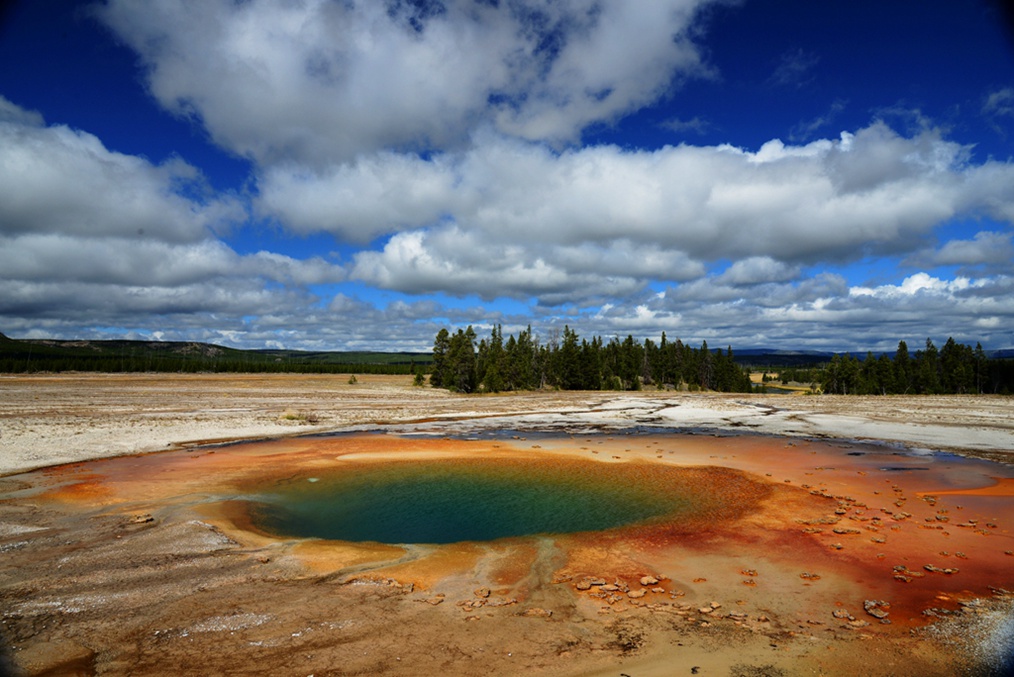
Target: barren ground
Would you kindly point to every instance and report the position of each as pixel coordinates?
(140, 565)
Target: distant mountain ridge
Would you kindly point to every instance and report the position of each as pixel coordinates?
(118, 355)
(780, 357)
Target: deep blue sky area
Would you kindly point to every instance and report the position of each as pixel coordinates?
(834, 175)
(76, 72)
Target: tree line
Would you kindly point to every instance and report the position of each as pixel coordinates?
(22, 356)
(464, 363)
(29, 364)
(953, 369)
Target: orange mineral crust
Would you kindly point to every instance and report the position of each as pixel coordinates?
(874, 519)
(825, 540)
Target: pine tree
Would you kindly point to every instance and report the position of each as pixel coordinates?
(902, 369)
(441, 346)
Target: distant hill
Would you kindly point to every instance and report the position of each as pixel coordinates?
(34, 355)
(770, 357)
(761, 357)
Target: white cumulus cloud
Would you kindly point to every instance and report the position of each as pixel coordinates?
(91, 235)
(316, 81)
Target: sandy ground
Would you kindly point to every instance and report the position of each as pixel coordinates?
(48, 420)
(141, 565)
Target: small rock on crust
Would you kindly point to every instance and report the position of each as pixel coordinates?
(537, 612)
(877, 608)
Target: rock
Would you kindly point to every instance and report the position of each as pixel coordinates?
(439, 599)
(636, 594)
(502, 601)
(877, 608)
(482, 592)
(583, 585)
(609, 588)
(143, 518)
(938, 570)
(536, 612)
(649, 580)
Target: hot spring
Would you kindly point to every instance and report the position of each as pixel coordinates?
(455, 500)
(321, 544)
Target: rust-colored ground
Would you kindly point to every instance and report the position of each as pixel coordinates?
(819, 558)
(148, 565)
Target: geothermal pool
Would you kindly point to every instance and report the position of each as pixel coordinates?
(793, 540)
(891, 518)
(455, 500)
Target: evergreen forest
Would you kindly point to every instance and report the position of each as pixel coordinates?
(953, 369)
(464, 363)
(569, 362)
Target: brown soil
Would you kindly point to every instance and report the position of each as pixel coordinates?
(143, 564)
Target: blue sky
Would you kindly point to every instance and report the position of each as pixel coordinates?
(354, 175)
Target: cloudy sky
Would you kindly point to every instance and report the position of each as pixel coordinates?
(356, 174)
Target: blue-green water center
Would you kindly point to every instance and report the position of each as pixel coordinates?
(452, 501)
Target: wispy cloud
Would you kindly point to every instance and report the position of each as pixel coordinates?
(795, 69)
(695, 125)
(998, 109)
(806, 129)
